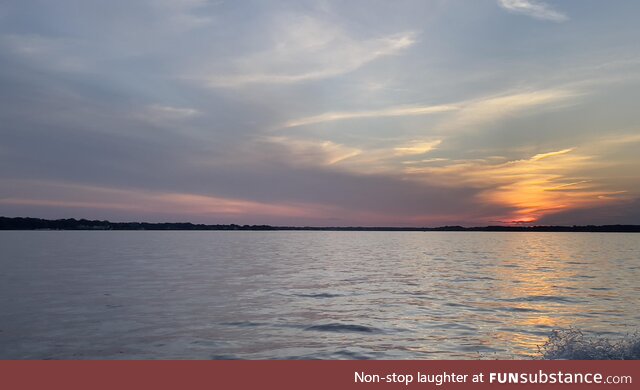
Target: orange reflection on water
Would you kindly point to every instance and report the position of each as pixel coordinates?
(535, 285)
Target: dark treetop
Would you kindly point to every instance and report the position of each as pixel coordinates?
(83, 224)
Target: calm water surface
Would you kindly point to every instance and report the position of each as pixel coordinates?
(293, 295)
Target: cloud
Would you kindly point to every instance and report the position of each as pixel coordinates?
(623, 211)
(388, 160)
(466, 114)
(298, 197)
(479, 112)
(74, 196)
(541, 156)
(416, 148)
(55, 53)
(425, 161)
(357, 160)
(305, 48)
(578, 185)
(533, 8)
(160, 114)
(93, 93)
(533, 188)
(315, 152)
(385, 112)
(620, 139)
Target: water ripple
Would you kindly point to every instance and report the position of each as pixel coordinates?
(340, 328)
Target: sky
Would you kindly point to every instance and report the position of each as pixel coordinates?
(323, 113)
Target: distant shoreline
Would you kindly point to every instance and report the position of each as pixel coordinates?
(20, 223)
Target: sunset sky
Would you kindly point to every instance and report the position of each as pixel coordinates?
(393, 113)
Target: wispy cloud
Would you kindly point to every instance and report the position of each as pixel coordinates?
(358, 159)
(416, 148)
(306, 48)
(541, 156)
(575, 186)
(170, 112)
(468, 114)
(56, 53)
(533, 8)
(425, 161)
(385, 112)
(479, 112)
(75, 196)
(620, 139)
(314, 152)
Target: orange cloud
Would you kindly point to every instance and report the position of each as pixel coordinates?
(542, 184)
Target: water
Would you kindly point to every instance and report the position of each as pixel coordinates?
(309, 295)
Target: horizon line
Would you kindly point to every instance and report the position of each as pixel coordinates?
(33, 223)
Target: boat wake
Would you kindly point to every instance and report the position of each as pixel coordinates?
(572, 344)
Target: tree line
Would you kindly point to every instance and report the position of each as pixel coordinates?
(20, 223)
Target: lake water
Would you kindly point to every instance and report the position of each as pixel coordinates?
(309, 295)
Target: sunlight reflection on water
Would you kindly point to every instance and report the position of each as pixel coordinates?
(326, 295)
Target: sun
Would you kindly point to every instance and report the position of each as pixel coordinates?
(524, 220)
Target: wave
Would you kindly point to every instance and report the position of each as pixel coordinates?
(336, 327)
(572, 344)
(521, 309)
(318, 295)
(243, 324)
(543, 298)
